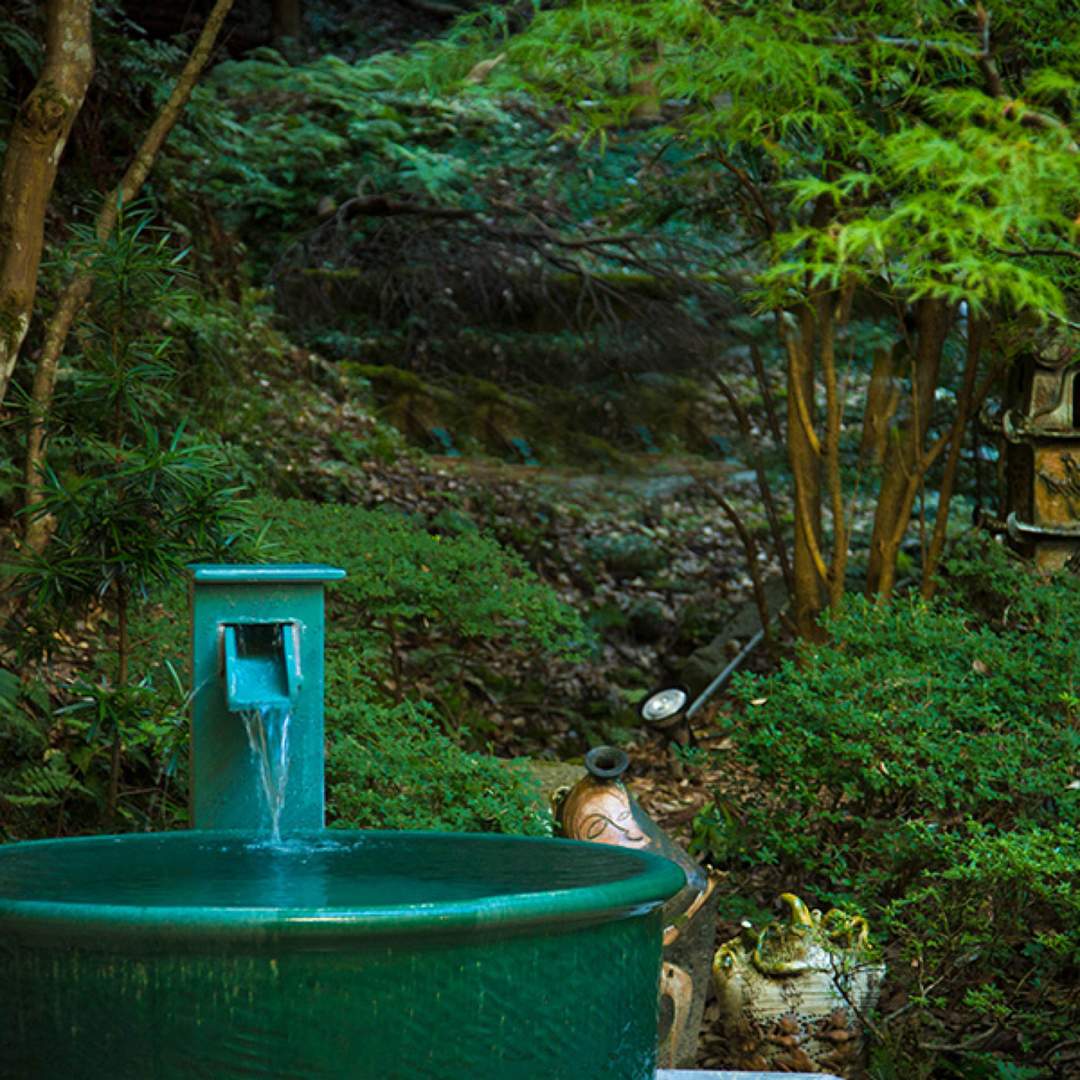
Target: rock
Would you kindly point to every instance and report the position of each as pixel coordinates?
(626, 555)
(707, 662)
(646, 620)
(553, 775)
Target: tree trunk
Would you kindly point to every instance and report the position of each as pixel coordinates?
(809, 572)
(78, 288)
(905, 456)
(285, 21)
(882, 397)
(749, 545)
(766, 394)
(751, 448)
(643, 86)
(834, 417)
(35, 144)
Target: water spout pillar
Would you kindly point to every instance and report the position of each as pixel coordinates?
(257, 646)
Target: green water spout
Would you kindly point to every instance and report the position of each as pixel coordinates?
(261, 665)
(257, 647)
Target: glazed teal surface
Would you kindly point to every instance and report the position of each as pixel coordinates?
(264, 573)
(257, 642)
(333, 954)
(261, 666)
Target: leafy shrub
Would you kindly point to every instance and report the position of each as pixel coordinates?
(390, 768)
(993, 919)
(35, 779)
(55, 768)
(909, 712)
(922, 763)
(417, 613)
(441, 596)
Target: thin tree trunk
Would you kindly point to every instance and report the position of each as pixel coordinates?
(764, 488)
(882, 397)
(905, 504)
(833, 420)
(766, 394)
(643, 85)
(905, 462)
(956, 442)
(749, 545)
(36, 142)
(965, 406)
(809, 572)
(78, 288)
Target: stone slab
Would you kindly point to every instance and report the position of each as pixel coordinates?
(708, 1074)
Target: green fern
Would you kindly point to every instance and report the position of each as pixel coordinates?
(42, 786)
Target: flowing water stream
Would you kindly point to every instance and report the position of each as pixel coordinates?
(267, 730)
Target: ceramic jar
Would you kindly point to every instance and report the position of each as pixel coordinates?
(600, 808)
(792, 994)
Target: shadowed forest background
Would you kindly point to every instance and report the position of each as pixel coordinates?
(592, 339)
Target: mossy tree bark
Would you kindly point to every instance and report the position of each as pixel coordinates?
(35, 144)
(77, 291)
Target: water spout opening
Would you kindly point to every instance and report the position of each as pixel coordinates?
(261, 664)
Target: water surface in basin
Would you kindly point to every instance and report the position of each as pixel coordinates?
(331, 871)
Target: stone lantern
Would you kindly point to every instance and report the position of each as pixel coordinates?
(1043, 457)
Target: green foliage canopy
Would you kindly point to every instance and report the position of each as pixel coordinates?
(918, 152)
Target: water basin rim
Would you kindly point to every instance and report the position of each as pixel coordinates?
(263, 573)
(103, 926)
(656, 882)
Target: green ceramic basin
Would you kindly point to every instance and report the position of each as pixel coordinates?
(334, 954)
